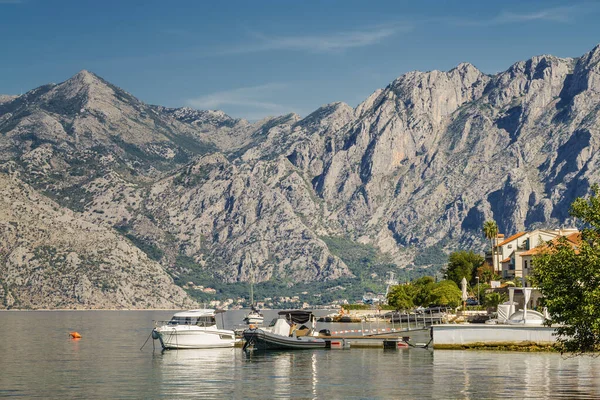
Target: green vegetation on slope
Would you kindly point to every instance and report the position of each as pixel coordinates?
(369, 266)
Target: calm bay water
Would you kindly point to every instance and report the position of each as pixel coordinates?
(37, 359)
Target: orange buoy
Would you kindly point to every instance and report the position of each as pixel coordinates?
(75, 335)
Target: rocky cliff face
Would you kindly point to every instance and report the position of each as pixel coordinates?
(420, 163)
(51, 258)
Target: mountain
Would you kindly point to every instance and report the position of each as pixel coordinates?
(4, 98)
(414, 169)
(51, 258)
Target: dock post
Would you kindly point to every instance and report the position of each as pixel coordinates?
(394, 344)
(400, 318)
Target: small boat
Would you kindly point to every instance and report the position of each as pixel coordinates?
(342, 316)
(254, 317)
(526, 317)
(347, 318)
(193, 329)
(289, 332)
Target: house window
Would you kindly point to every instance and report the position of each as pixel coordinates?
(509, 246)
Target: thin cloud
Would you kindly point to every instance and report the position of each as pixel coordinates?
(250, 102)
(557, 14)
(325, 43)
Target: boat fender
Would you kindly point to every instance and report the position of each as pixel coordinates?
(154, 334)
(75, 335)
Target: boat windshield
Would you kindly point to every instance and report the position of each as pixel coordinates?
(200, 321)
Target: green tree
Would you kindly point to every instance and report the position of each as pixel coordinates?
(494, 298)
(423, 288)
(482, 287)
(463, 264)
(490, 230)
(486, 273)
(568, 276)
(447, 293)
(401, 296)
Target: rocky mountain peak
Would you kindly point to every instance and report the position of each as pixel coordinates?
(592, 56)
(84, 80)
(465, 68)
(369, 103)
(436, 94)
(216, 118)
(328, 114)
(84, 90)
(85, 77)
(288, 119)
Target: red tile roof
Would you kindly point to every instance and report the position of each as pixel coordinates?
(507, 259)
(513, 237)
(574, 239)
(531, 252)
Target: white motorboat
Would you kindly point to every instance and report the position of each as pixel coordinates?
(254, 317)
(526, 317)
(193, 329)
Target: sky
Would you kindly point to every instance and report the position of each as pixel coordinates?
(257, 58)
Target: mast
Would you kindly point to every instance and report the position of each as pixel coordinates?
(390, 282)
(251, 292)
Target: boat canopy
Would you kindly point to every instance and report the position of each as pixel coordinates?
(206, 312)
(297, 316)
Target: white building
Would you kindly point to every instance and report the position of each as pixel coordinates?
(514, 252)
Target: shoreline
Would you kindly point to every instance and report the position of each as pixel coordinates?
(90, 309)
(526, 347)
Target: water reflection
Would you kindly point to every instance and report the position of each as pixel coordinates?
(288, 373)
(510, 374)
(195, 373)
(37, 359)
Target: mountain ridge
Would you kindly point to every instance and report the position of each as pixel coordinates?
(419, 164)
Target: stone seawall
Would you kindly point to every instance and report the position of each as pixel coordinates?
(461, 336)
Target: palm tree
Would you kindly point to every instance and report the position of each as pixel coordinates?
(490, 230)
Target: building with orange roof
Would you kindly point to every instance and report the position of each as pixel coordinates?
(516, 251)
(527, 256)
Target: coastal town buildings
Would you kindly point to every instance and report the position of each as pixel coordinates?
(513, 255)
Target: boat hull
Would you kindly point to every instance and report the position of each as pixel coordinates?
(260, 339)
(177, 338)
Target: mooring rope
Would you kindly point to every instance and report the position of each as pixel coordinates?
(249, 342)
(149, 336)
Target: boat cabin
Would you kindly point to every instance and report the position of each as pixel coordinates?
(194, 317)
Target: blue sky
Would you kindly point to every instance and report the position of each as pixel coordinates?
(258, 58)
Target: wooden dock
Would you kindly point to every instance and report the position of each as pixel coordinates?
(386, 339)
